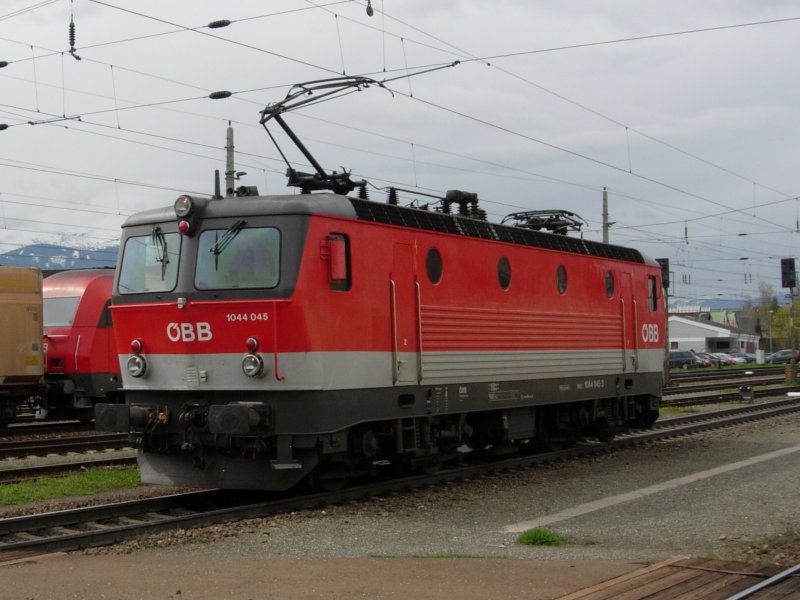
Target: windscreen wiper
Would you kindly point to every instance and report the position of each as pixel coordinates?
(220, 243)
(160, 244)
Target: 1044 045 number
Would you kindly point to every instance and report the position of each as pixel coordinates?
(245, 316)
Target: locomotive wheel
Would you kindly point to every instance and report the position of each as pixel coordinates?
(330, 477)
(329, 481)
(602, 430)
(429, 467)
(646, 419)
(335, 473)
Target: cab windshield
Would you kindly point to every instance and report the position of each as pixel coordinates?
(150, 263)
(59, 312)
(237, 258)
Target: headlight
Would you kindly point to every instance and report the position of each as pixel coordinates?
(252, 365)
(137, 366)
(183, 207)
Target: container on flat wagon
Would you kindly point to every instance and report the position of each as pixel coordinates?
(21, 362)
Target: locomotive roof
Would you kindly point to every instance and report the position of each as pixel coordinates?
(458, 225)
(378, 212)
(73, 282)
(294, 204)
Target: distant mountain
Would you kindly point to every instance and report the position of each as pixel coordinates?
(49, 257)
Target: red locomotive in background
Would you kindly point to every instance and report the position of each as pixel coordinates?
(265, 340)
(81, 364)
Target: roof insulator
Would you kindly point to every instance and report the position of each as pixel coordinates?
(219, 24)
(220, 95)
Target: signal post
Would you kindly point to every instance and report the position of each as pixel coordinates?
(789, 280)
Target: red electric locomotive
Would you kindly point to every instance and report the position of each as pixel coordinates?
(81, 364)
(265, 340)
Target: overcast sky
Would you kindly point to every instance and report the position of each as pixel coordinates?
(685, 111)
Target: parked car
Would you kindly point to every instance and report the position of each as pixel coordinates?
(781, 357)
(684, 359)
(709, 360)
(742, 358)
(725, 359)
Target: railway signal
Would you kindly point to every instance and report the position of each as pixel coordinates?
(788, 273)
(664, 263)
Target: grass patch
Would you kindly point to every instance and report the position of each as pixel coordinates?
(85, 483)
(710, 554)
(540, 537)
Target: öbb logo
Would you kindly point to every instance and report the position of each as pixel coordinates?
(650, 333)
(189, 332)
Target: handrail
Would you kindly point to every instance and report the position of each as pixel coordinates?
(635, 335)
(624, 336)
(419, 331)
(393, 302)
(278, 376)
(77, 345)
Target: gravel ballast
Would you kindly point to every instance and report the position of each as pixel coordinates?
(723, 515)
(745, 514)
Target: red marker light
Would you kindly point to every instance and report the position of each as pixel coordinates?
(252, 344)
(136, 346)
(184, 226)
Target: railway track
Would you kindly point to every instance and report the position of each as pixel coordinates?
(716, 384)
(49, 427)
(101, 525)
(714, 374)
(18, 474)
(745, 392)
(62, 445)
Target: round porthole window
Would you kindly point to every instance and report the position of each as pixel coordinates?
(504, 272)
(433, 265)
(561, 279)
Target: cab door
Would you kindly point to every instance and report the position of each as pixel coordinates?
(404, 310)
(630, 324)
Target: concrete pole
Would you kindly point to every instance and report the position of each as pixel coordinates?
(230, 172)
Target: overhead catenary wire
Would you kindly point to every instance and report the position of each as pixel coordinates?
(637, 38)
(416, 145)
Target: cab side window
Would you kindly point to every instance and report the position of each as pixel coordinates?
(652, 293)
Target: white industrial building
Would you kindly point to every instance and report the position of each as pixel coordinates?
(690, 333)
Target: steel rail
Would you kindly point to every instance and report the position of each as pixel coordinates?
(62, 444)
(714, 373)
(17, 474)
(766, 584)
(44, 446)
(715, 384)
(31, 427)
(741, 394)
